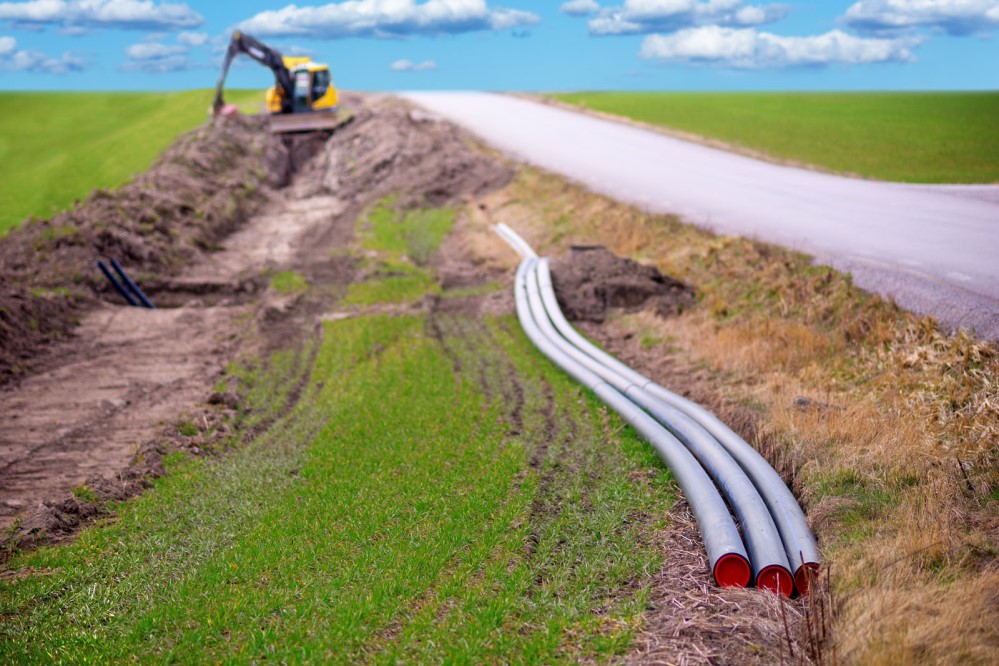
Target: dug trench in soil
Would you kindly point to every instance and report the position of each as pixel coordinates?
(100, 398)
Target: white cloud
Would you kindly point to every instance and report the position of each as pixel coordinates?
(175, 63)
(410, 66)
(956, 17)
(156, 58)
(13, 59)
(579, 7)
(385, 18)
(503, 19)
(193, 38)
(131, 14)
(648, 16)
(748, 48)
(153, 51)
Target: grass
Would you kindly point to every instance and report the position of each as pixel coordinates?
(289, 282)
(57, 147)
(894, 449)
(907, 137)
(398, 246)
(424, 489)
(405, 235)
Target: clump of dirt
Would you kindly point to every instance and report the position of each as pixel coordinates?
(591, 280)
(391, 149)
(205, 185)
(56, 519)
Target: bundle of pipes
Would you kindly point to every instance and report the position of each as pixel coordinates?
(712, 464)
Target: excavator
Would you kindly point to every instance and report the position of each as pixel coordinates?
(303, 98)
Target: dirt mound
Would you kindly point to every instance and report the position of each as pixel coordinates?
(201, 188)
(392, 149)
(74, 422)
(590, 280)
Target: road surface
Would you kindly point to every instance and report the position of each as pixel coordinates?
(934, 249)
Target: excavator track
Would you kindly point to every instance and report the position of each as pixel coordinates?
(315, 121)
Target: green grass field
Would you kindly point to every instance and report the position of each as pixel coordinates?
(429, 490)
(57, 147)
(906, 137)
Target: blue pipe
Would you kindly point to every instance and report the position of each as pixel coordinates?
(114, 283)
(131, 285)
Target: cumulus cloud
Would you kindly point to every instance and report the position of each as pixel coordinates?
(410, 66)
(153, 51)
(747, 48)
(129, 14)
(13, 59)
(648, 16)
(955, 17)
(579, 7)
(386, 18)
(158, 58)
(193, 38)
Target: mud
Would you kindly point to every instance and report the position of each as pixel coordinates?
(98, 408)
(197, 192)
(390, 149)
(591, 280)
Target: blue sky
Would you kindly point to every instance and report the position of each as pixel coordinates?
(511, 44)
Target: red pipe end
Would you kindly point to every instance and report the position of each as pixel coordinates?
(805, 573)
(776, 579)
(732, 570)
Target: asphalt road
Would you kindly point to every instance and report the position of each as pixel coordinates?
(934, 249)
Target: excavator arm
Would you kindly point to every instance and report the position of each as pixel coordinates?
(266, 56)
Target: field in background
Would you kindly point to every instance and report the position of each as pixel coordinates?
(57, 147)
(906, 137)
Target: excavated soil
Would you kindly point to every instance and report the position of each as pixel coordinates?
(97, 402)
(590, 280)
(197, 192)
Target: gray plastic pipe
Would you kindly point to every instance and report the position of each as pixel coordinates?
(799, 543)
(766, 551)
(726, 552)
(516, 241)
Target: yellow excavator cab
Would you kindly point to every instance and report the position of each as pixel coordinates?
(314, 88)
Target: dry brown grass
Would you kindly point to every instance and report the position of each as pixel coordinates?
(890, 426)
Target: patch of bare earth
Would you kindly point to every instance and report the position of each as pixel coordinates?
(102, 403)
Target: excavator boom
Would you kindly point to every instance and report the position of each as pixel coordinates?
(266, 56)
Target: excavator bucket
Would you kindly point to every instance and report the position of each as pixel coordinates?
(312, 121)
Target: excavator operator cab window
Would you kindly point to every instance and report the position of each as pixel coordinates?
(302, 86)
(320, 83)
